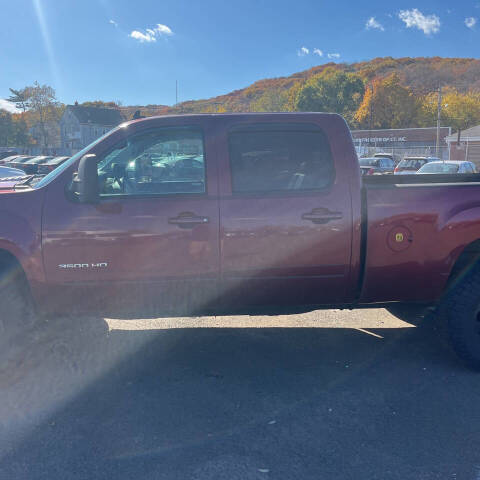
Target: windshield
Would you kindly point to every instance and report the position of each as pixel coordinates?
(415, 163)
(439, 168)
(367, 162)
(54, 173)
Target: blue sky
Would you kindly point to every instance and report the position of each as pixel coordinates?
(134, 50)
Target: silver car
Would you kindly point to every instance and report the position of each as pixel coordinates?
(448, 167)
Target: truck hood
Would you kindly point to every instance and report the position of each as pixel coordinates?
(7, 185)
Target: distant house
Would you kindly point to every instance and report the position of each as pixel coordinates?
(80, 126)
(469, 147)
(46, 139)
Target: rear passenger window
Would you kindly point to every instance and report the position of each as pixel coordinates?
(269, 158)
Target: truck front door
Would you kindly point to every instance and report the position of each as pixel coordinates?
(155, 229)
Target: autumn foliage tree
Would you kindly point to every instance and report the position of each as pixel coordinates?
(44, 109)
(459, 110)
(270, 101)
(387, 104)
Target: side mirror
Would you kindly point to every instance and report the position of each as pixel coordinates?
(85, 181)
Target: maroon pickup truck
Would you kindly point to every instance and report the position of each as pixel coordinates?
(215, 212)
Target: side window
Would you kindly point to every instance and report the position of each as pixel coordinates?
(269, 158)
(158, 162)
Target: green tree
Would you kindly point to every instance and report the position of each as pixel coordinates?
(21, 137)
(6, 128)
(19, 98)
(331, 91)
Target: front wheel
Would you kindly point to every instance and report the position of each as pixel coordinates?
(16, 310)
(463, 317)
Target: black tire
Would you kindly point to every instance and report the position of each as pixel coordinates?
(463, 318)
(16, 306)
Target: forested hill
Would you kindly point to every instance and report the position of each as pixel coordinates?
(398, 90)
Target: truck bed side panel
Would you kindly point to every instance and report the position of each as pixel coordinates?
(415, 233)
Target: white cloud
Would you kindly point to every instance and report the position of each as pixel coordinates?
(372, 23)
(416, 19)
(163, 29)
(317, 51)
(142, 37)
(151, 34)
(8, 106)
(470, 22)
(303, 51)
(113, 22)
(333, 55)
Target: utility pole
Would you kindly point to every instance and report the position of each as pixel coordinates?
(371, 119)
(176, 92)
(439, 114)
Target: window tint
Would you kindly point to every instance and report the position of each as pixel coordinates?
(412, 163)
(440, 168)
(161, 161)
(388, 162)
(267, 158)
(369, 162)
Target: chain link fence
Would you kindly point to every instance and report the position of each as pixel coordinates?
(400, 152)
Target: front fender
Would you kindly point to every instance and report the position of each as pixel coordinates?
(21, 230)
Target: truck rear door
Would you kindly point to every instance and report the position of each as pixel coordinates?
(156, 225)
(285, 212)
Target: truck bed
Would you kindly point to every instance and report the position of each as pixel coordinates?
(414, 227)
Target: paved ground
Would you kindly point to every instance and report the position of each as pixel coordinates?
(324, 395)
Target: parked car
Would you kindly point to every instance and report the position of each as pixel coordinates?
(18, 161)
(8, 153)
(9, 159)
(392, 156)
(448, 167)
(376, 165)
(410, 165)
(276, 216)
(8, 172)
(31, 166)
(51, 164)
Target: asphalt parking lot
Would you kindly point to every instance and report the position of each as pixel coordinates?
(322, 395)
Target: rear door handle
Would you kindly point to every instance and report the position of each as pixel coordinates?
(188, 220)
(320, 216)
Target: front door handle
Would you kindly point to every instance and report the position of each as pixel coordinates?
(321, 216)
(188, 220)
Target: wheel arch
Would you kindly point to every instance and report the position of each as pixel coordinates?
(9, 263)
(468, 257)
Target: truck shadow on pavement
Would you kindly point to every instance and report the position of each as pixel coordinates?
(254, 397)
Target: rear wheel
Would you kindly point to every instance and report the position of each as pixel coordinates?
(463, 316)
